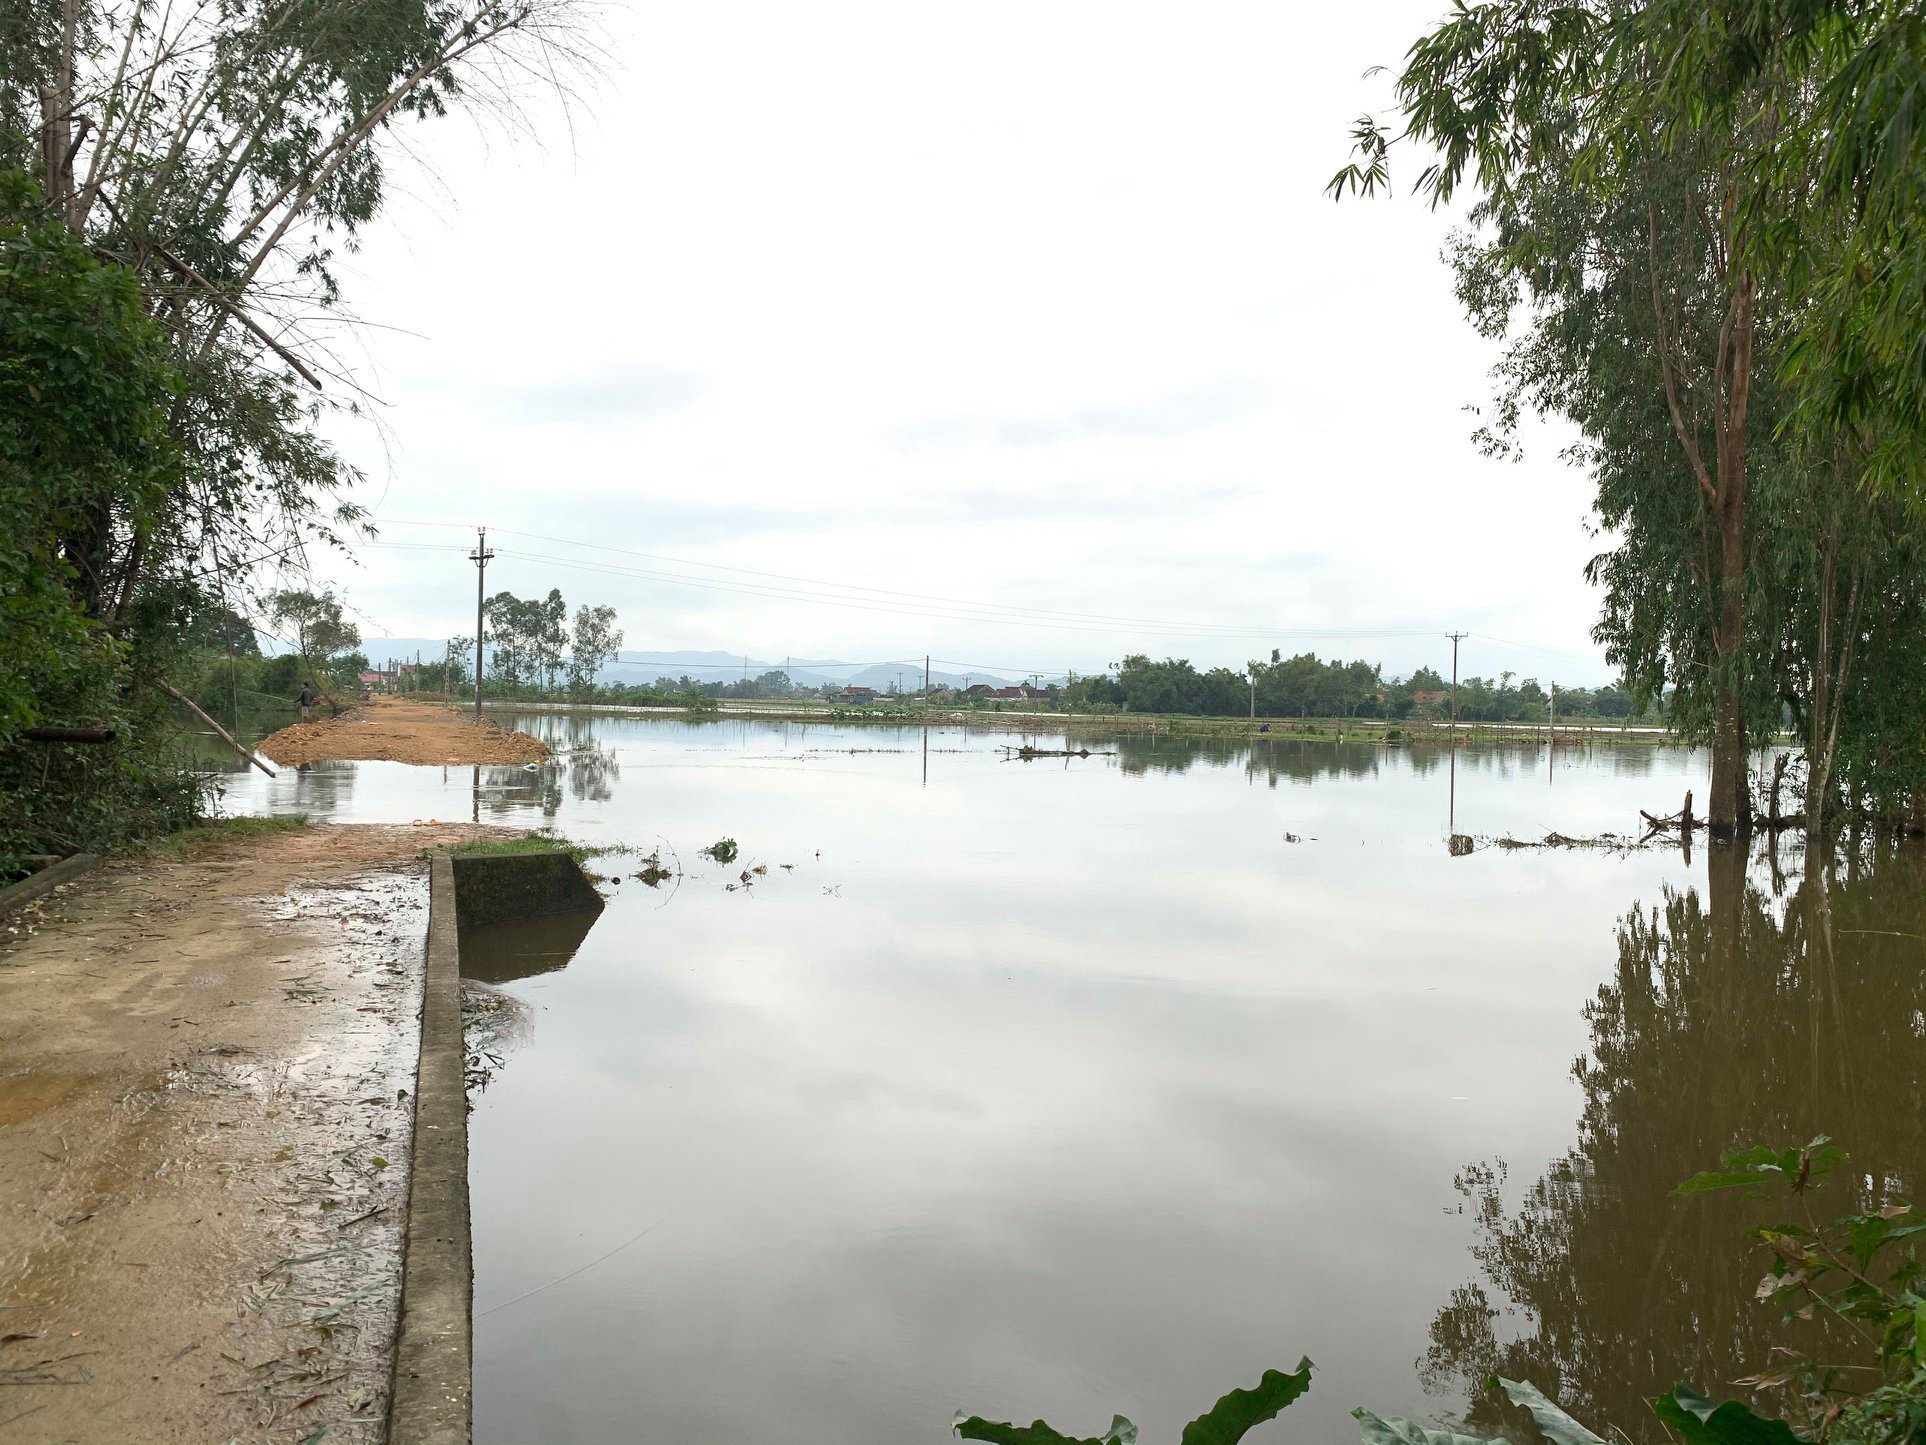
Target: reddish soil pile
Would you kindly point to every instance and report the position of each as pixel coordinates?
(390, 729)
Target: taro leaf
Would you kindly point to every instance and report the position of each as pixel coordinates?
(1232, 1417)
(1395, 1431)
(1553, 1423)
(1700, 1422)
(1121, 1432)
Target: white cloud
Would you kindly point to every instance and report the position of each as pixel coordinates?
(1042, 306)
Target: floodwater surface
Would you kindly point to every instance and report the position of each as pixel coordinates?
(1064, 1087)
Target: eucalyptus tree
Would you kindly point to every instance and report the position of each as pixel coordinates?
(316, 628)
(224, 151)
(176, 179)
(1702, 222)
(1620, 309)
(594, 640)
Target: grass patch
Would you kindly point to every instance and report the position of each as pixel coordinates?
(539, 842)
(225, 830)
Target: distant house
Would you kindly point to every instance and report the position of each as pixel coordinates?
(1426, 698)
(978, 689)
(854, 694)
(1007, 694)
(376, 680)
(1036, 694)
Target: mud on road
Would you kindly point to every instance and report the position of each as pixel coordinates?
(206, 1070)
(397, 730)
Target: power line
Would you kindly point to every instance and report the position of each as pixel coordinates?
(924, 604)
(929, 606)
(789, 595)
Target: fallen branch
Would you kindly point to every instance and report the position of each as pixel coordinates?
(219, 731)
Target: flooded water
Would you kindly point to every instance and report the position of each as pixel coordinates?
(1068, 1087)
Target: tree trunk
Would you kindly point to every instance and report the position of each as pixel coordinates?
(1729, 805)
(1729, 810)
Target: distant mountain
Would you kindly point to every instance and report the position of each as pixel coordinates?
(647, 667)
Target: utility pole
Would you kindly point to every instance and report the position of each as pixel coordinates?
(1551, 729)
(926, 693)
(480, 557)
(1251, 672)
(1456, 638)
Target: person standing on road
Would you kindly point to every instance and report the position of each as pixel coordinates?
(306, 699)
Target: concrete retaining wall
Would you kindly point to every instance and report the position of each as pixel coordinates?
(430, 1402)
(511, 887)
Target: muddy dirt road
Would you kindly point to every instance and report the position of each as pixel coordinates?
(399, 730)
(206, 1066)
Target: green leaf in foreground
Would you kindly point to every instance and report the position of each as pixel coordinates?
(1377, 1430)
(1741, 1168)
(1121, 1432)
(1232, 1417)
(1699, 1422)
(1553, 1423)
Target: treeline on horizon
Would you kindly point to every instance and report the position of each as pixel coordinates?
(535, 652)
(1307, 686)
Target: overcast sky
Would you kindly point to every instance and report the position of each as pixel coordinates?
(1026, 306)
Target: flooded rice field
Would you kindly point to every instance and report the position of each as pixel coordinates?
(1066, 1087)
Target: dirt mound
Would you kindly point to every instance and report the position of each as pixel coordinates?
(388, 729)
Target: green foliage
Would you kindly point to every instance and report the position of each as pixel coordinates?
(1862, 1267)
(86, 462)
(1694, 229)
(1121, 1432)
(540, 841)
(1305, 686)
(1553, 1423)
(322, 638)
(1748, 1168)
(1697, 1421)
(526, 637)
(723, 850)
(594, 640)
(1228, 1421)
(84, 387)
(1376, 1430)
(172, 184)
(202, 836)
(1236, 1414)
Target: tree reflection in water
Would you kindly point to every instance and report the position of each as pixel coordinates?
(1743, 1017)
